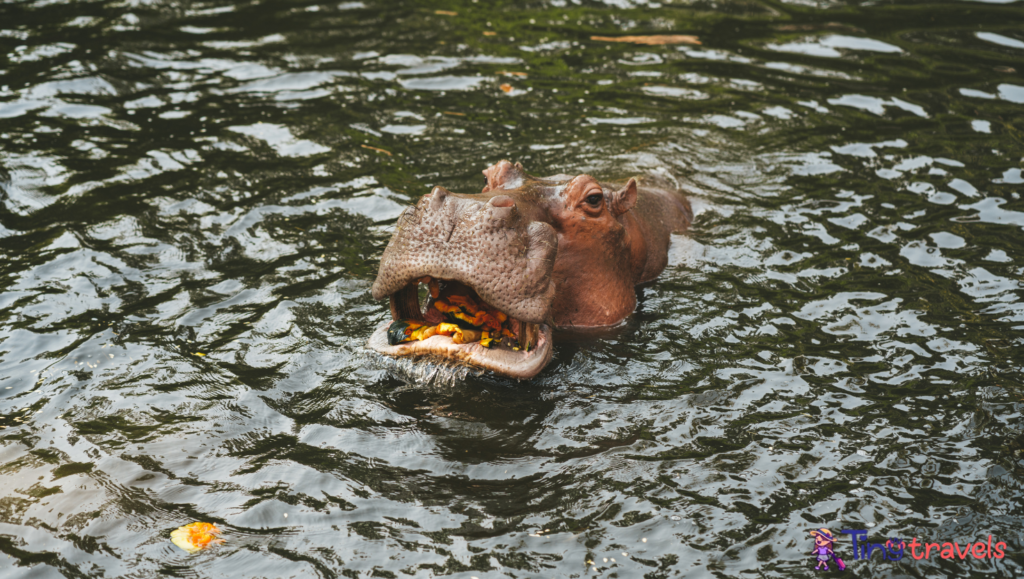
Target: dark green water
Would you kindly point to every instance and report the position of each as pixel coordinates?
(838, 342)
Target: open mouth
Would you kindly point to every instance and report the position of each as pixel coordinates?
(451, 322)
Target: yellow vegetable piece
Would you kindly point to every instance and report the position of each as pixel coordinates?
(444, 307)
(422, 333)
(447, 329)
(464, 336)
(195, 537)
(459, 335)
(466, 309)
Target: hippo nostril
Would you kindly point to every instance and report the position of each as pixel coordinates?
(437, 197)
(501, 201)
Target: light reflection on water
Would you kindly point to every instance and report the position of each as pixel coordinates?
(193, 198)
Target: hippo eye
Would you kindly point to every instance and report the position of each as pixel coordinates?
(595, 199)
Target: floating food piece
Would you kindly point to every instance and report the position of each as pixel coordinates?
(378, 149)
(446, 13)
(655, 39)
(506, 87)
(195, 537)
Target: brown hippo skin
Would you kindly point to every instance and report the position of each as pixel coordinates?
(559, 251)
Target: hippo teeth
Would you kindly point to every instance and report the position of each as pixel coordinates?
(405, 304)
(529, 335)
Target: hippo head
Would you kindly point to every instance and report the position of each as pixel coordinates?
(526, 254)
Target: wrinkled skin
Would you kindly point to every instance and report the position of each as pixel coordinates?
(560, 251)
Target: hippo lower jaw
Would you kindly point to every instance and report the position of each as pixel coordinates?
(524, 361)
(521, 365)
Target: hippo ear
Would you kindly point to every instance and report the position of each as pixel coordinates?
(624, 199)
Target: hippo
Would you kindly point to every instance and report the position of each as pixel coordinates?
(482, 279)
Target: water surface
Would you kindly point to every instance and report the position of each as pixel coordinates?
(194, 197)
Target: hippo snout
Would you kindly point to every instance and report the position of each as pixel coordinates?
(486, 245)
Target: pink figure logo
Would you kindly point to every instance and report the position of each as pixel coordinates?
(823, 550)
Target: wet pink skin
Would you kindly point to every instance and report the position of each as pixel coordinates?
(562, 251)
(604, 249)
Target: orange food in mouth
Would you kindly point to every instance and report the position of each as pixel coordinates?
(466, 309)
(195, 537)
(468, 322)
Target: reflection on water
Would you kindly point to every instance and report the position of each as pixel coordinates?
(193, 197)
